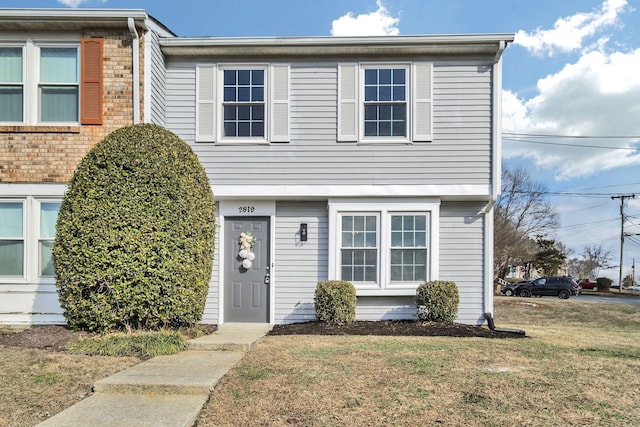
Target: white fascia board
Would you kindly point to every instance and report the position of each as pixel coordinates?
(279, 192)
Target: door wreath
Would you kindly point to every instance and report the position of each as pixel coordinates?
(247, 242)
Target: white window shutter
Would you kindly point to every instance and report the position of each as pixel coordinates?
(422, 111)
(205, 103)
(348, 102)
(280, 103)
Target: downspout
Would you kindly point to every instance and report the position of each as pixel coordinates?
(135, 47)
(496, 172)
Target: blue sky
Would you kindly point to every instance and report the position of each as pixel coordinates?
(572, 71)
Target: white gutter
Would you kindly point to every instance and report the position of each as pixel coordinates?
(135, 44)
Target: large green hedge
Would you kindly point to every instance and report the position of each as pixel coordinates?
(135, 234)
(335, 301)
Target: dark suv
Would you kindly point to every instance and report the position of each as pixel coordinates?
(561, 286)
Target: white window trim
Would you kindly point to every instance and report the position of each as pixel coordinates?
(31, 79)
(220, 104)
(37, 107)
(385, 208)
(404, 284)
(408, 97)
(31, 236)
(378, 247)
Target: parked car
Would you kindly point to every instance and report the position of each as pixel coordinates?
(561, 286)
(510, 288)
(635, 287)
(588, 284)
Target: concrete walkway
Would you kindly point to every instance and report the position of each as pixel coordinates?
(165, 390)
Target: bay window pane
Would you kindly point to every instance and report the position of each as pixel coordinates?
(48, 217)
(10, 65)
(46, 260)
(11, 258)
(11, 222)
(58, 65)
(59, 104)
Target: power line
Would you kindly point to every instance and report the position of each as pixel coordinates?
(571, 145)
(542, 135)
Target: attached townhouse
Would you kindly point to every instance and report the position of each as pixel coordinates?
(369, 159)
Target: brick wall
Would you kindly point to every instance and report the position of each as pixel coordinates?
(37, 154)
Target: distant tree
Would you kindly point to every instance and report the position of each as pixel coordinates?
(589, 262)
(549, 257)
(520, 214)
(628, 281)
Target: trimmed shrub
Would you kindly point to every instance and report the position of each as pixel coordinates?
(135, 234)
(604, 283)
(335, 301)
(437, 301)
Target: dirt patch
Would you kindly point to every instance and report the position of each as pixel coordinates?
(390, 327)
(53, 337)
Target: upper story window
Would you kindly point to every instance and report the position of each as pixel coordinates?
(385, 102)
(243, 103)
(44, 83)
(58, 84)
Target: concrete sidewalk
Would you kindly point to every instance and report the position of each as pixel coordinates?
(165, 390)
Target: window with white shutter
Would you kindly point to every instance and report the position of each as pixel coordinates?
(385, 102)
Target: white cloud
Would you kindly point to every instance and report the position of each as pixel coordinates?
(75, 3)
(599, 95)
(569, 33)
(377, 23)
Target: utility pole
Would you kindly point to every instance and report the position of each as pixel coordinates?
(622, 198)
(633, 273)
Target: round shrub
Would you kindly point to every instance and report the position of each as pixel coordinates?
(335, 301)
(604, 284)
(437, 301)
(135, 234)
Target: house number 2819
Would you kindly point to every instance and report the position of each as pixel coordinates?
(246, 209)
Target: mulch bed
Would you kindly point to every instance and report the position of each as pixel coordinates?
(390, 327)
(56, 337)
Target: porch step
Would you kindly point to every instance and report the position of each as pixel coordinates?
(234, 337)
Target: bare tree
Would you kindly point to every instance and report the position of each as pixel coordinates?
(591, 260)
(520, 214)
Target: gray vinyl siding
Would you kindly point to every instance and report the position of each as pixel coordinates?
(299, 266)
(461, 256)
(211, 307)
(460, 153)
(158, 79)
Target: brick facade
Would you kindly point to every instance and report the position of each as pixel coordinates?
(39, 154)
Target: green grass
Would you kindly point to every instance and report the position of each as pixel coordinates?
(138, 344)
(577, 366)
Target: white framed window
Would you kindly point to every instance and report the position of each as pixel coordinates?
(359, 247)
(48, 215)
(386, 246)
(11, 84)
(27, 233)
(385, 102)
(12, 238)
(242, 103)
(39, 83)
